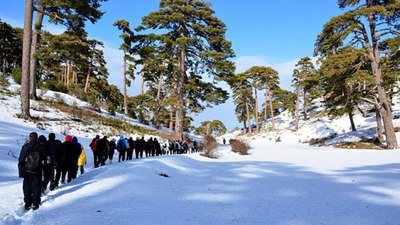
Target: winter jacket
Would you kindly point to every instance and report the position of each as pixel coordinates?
(82, 157)
(55, 151)
(32, 145)
(70, 151)
(124, 141)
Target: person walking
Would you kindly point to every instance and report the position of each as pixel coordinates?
(111, 149)
(46, 167)
(156, 147)
(138, 148)
(102, 150)
(122, 145)
(30, 162)
(129, 151)
(55, 153)
(93, 146)
(71, 152)
(78, 150)
(82, 160)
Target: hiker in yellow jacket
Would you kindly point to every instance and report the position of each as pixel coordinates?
(82, 160)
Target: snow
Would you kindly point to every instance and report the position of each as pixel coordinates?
(280, 183)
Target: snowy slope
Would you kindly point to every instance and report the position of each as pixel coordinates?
(319, 126)
(278, 183)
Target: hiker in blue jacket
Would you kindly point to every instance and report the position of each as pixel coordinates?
(122, 146)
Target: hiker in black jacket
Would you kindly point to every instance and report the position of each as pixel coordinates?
(70, 159)
(102, 150)
(138, 148)
(111, 149)
(30, 162)
(129, 151)
(55, 151)
(46, 167)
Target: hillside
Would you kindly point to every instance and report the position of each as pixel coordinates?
(319, 129)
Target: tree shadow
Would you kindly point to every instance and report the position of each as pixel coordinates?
(229, 193)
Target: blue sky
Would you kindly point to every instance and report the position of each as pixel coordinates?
(263, 32)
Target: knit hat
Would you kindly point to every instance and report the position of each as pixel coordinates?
(68, 138)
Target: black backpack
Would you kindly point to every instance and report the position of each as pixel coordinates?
(120, 144)
(32, 160)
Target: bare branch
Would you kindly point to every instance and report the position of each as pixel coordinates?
(52, 15)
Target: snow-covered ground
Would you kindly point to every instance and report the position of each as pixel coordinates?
(278, 183)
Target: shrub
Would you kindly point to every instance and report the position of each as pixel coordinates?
(17, 74)
(54, 85)
(209, 144)
(111, 108)
(3, 81)
(239, 146)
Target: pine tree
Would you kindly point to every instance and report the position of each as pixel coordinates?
(304, 80)
(26, 52)
(347, 82)
(264, 77)
(127, 36)
(197, 39)
(69, 12)
(243, 100)
(10, 47)
(211, 127)
(365, 25)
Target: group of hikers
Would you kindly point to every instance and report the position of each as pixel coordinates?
(104, 149)
(43, 161)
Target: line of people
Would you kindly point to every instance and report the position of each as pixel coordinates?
(43, 161)
(104, 150)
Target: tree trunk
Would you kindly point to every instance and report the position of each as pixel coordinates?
(180, 89)
(34, 47)
(268, 90)
(26, 53)
(64, 79)
(244, 125)
(304, 106)
(248, 116)
(385, 107)
(353, 126)
(171, 118)
(68, 71)
(4, 66)
(87, 78)
(379, 127)
(142, 83)
(159, 87)
(75, 75)
(297, 108)
(125, 97)
(256, 109)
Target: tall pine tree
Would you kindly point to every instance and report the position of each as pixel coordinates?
(197, 40)
(365, 25)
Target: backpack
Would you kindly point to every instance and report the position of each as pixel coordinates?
(32, 161)
(120, 144)
(93, 145)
